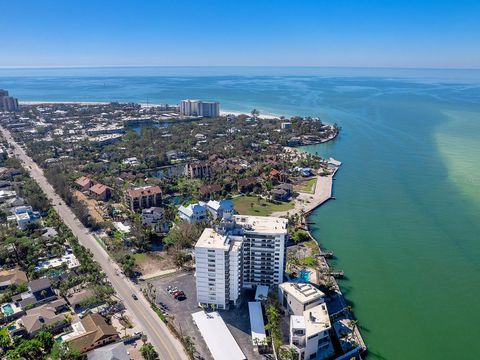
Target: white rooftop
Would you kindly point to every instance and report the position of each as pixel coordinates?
(256, 322)
(268, 224)
(212, 240)
(297, 322)
(303, 293)
(218, 338)
(316, 319)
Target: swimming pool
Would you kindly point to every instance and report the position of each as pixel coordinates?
(7, 309)
(304, 276)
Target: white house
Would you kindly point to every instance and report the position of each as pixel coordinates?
(155, 217)
(219, 208)
(309, 333)
(193, 213)
(295, 298)
(24, 215)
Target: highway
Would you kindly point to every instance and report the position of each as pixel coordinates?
(167, 345)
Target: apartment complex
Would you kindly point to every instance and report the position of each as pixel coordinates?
(243, 251)
(143, 197)
(199, 108)
(7, 103)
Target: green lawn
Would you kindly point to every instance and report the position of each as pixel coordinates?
(252, 205)
(307, 186)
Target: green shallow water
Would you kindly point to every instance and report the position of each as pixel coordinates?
(406, 223)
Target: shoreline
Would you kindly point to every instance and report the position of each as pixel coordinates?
(143, 105)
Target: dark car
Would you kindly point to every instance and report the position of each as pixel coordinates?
(134, 297)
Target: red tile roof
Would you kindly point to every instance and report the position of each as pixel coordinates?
(144, 191)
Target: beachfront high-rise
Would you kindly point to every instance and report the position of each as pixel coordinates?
(7, 103)
(243, 251)
(199, 108)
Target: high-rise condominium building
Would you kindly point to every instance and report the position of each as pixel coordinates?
(244, 251)
(199, 108)
(7, 103)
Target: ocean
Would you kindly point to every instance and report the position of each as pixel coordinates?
(405, 225)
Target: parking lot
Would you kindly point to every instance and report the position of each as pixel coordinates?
(237, 319)
(179, 312)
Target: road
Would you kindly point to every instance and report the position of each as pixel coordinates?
(167, 345)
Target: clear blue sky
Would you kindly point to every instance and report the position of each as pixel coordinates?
(241, 32)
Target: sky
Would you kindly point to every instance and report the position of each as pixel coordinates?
(343, 33)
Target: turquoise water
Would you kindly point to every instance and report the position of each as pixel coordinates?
(305, 275)
(405, 226)
(7, 309)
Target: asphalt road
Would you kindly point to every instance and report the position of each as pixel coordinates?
(167, 345)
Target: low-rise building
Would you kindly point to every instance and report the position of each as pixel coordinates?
(115, 351)
(193, 213)
(199, 169)
(12, 277)
(49, 315)
(295, 298)
(155, 217)
(83, 183)
(143, 197)
(309, 333)
(39, 292)
(100, 192)
(220, 208)
(96, 333)
(24, 215)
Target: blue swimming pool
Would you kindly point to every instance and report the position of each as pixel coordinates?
(305, 275)
(7, 309)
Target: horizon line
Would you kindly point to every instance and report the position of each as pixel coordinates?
(13, 67)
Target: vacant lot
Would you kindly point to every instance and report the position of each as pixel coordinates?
(306, 186)
(253, 205)
(152, 262)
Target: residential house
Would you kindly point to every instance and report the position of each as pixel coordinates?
(309, 333)
(49, 315)
(39, 291)
(247, 184)
(155, 217)
(199, 169)
(115, 351)
(282, 192)
(96, 334)
(83, 183)
(24, 215)
(211, 189)
(101, 192)
(219, 208)
(295, 298)
(12, 277)
(193, 213)
(143, 197)
(77, 299)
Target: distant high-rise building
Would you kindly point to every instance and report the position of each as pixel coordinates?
(199, 108)
(7, 103)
